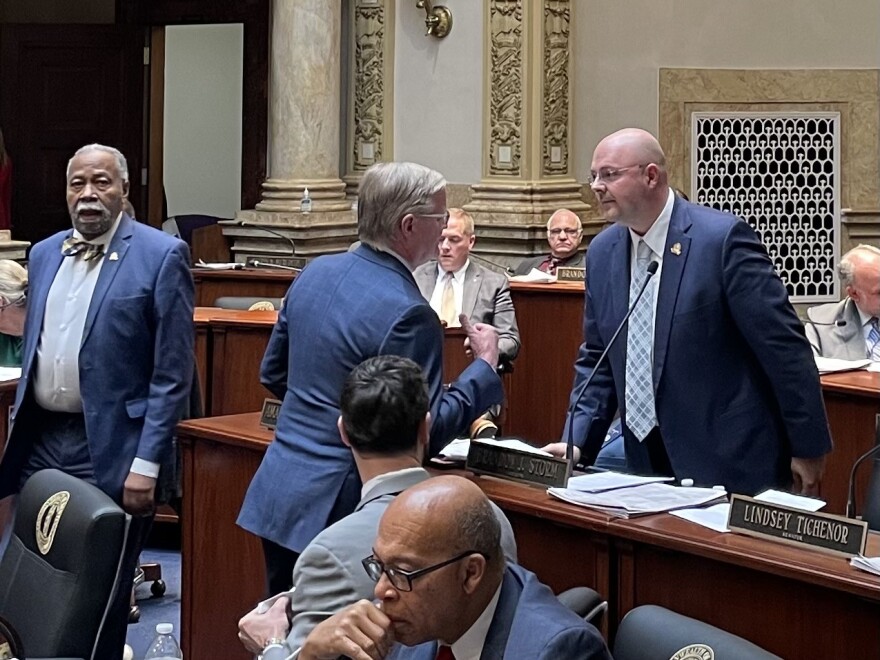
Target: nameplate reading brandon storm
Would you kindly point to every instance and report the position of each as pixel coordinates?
(507, 463)
(823, 531)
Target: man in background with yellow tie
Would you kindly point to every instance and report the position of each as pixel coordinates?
(455, 284)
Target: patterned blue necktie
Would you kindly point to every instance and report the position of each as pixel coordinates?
(874, 340)
(641, 416)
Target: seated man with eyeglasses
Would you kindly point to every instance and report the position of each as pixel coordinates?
(564, 234)
(384, 419)
(444, 590)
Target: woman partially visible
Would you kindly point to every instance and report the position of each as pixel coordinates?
(13, 307)
(5, 186)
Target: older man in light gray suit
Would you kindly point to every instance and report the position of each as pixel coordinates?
(849, 330)
(454, 285)
(385, 420)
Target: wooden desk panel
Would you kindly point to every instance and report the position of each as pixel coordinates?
(213, 284)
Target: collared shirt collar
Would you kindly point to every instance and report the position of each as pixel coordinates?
(865, 319)
(457, 275)
(655, 237)
(470, 645)
(382, 478)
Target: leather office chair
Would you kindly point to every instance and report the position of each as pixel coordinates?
(586, 603)
(871, 511)
(246, 302)
(59, 573)
(650, 632)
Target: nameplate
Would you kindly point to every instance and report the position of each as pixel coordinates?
(545, 471)
(290, 262)
(570, 274)
(269, 414)
(822, 531)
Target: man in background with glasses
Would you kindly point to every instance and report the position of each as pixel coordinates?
(564, 234)
(443, 590)
(384, 419)
(341, 310)
(713, 376)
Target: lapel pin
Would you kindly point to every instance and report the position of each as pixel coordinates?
(675, 249)
(114, 256)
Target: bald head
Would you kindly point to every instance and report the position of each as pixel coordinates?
(564, 233)
(628, 177)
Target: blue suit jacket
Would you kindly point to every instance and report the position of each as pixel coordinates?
(529, 622)
(736, 388)
(136, 357)
(340, 311)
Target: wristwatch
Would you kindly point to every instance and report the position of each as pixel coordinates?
(275, 649)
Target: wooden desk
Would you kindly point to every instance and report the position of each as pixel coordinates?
(7, 401)
(852, 400)
(212, 284)
(795, 602)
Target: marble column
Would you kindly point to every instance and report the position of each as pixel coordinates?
(304, 135)
(526, 126)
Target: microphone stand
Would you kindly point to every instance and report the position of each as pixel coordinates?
(851, 491)
(575, 399)
(507, 270)
(263, 264)
(244, 223)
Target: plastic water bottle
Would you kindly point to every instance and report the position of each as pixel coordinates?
(305, 204)
(164, 646)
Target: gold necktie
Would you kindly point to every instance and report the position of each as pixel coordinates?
(448, 313)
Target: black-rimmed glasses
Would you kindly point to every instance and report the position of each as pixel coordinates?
(401, 579)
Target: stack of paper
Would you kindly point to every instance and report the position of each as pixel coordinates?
(715, 517)
(640, 500)
(869, 564)
(458, 449)
(601, 481)
(832, 365)
(534, 276)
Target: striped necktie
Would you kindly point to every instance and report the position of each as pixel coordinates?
(874, 340)
(72, 247)
(641, 415)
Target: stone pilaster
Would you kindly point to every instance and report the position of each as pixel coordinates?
(304, 124)
(527, 126)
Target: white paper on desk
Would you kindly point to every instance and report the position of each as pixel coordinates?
(10, 373)
(219, 266)
(536, 276)
(457, 450)
(874, 366)
(827, 365)
(713, 517)
(782, 498)
(869, 564)
(601, 481)
(640, 500)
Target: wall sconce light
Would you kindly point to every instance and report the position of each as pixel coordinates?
(438, 19)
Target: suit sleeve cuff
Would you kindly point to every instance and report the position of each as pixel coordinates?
(145, 468)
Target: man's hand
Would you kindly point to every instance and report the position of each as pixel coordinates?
(482, 340)
(557, 449)
(138, 494)
(360, 632)
(255, 630)
(806, 474)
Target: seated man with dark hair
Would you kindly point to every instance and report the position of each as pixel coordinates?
(445, 591)
(385, 420)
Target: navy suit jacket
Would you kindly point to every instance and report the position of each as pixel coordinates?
(136, 356)
(529, 622)
(736, 388)
(340, 311)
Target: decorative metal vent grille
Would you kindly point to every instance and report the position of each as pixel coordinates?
(780, 173)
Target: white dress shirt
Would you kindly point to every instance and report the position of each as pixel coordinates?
(470, 645)
(458, 278)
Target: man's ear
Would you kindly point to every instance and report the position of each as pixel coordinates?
(342, 433)
(473, 572)
(853, 293)
(471, 241)
(125, 187)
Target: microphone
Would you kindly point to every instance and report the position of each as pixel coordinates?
(851, 491)
(838, 323)
(244, 223)
(507, 270)
(569, 448)
(263, 264)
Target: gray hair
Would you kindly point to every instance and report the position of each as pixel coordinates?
(121, 163)
(389, 191)
(476, 528)
(13, 282)
(846, 268)
(561, 211)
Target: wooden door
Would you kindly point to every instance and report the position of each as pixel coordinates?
(63, 86)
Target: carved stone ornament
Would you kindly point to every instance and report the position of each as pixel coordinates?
(369, 84)
(556, 60)
(506, 101)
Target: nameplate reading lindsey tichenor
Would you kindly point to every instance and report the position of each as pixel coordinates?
(823, 531)
(269, 414)
(570, 274)
(507, 463)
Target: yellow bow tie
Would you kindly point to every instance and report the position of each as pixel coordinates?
(72, 247)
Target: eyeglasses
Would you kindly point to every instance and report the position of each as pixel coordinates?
(444, 216)
(568, 231)
(402, 580)
(610, 176)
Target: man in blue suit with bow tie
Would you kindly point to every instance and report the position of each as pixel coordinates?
(107, 359)
(713, 377)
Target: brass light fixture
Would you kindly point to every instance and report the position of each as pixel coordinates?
(438, 19)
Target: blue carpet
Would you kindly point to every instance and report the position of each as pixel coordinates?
(164, 609)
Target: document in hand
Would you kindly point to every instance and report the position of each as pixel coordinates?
(640, 500)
